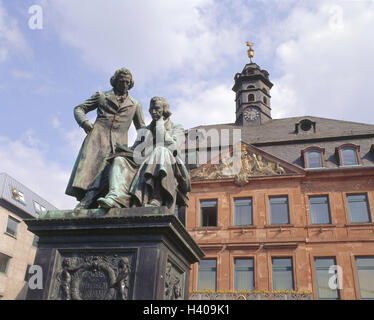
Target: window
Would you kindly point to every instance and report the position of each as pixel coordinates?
(279, 210)
(207, 274)
(313, 157)
(282, 274)
(244, 274)
(251, 87)
(265, 100)
(208, 209)
(322, 266)
(365, 275)
(243, 212)
(348, 155)
(4, 262)
(12, 226)
(251, 97)
(358, 208)
(39, 208)
(319, 210)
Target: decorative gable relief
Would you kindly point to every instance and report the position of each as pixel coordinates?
(253, 164)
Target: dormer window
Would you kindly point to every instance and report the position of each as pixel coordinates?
(348, 155)
(314, 157)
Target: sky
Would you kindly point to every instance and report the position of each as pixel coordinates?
(55, 54)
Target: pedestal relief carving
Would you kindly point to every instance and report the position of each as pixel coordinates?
(93, 277)
(174, 283)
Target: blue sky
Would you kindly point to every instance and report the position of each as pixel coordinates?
(319, 55)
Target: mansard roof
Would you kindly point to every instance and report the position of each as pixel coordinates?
(285, 138)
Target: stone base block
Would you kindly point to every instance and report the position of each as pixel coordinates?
(116, 254)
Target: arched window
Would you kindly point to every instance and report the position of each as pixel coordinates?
(251, 97)
(251, 87)
(265, 100)
(348, 155)
(314, 157)
(264, 90)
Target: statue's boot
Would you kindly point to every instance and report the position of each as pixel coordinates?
(87, 200)
(108, 203)
(154, 203)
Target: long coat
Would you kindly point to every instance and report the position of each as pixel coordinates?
(163, 171)
(111, 127)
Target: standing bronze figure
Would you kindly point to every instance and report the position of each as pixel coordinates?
(116, 110)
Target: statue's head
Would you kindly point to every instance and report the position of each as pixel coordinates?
(122, 74)
(159, 106)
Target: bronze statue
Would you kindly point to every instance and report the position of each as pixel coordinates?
(116, 110)
(161, 179)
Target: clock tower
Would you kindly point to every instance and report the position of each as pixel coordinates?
(252, 87)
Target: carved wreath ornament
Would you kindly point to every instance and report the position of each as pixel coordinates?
(94, 278)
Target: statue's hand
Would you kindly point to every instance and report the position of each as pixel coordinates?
(87, 126)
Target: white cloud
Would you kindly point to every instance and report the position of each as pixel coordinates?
(24, 160)
(18, 74)
(11, 39)
(73, 137)
(204, 103)
(151, 38)
(326, 61)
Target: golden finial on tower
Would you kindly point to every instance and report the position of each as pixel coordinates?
(251, 53)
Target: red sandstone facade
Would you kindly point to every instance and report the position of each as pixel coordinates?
(321, 169)
(300, 239)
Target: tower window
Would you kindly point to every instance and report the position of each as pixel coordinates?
(251, 87)
(251, 97)
(265, 100)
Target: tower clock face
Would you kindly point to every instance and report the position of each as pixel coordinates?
(251, 114)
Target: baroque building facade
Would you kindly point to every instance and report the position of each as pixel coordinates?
(17, 245)
(296, 215)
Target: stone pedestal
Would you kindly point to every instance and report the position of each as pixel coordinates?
(116, 254)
